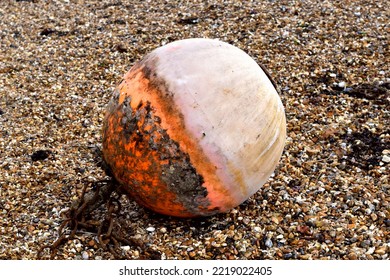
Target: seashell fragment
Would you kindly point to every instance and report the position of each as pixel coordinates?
(194, 129)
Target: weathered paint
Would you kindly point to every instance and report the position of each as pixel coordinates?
(186, 140)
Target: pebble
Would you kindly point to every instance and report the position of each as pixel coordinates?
(381, 250)
(386, 158)
(370, 250)
(352, 256)
(47, 221)
(163, 230)
(257, 229)
(342, 84)
(288, 256)
(268, 243)
(85, 255)
(150, 229)
(125, 248)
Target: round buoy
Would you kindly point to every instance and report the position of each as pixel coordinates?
(194, 129)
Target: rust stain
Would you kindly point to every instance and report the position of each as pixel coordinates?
(136, 163)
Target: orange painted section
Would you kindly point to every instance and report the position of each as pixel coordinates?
(143, 166)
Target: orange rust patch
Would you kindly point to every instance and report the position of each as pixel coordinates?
(172, 119)
(135, 164)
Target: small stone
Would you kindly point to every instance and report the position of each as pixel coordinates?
(268, 243)
(352, 256)
(163, 230)
(341, 84)
(257, 229)
(370, 250)
(305, 257)
(386, 158)
(280, 236)
(275, 219)
(47, 222)
(380, 250)
(85, 255)
(126, 248)
(353, 240)
(150, 229)
(288, 256)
